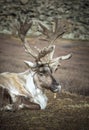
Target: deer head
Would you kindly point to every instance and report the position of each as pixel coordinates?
(44, 66)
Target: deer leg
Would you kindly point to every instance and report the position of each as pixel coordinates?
(16, 104)
(27, 104)
(4, 97)
(10, 107)
(7, 107)
(21, 103)
(29, 107)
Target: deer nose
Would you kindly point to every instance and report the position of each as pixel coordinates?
(55, 83)
(54, 89)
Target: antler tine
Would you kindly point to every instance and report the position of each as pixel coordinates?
(55, 24)
(45, 30)
(29, 50)
(65, 57)
(59, 29)
(22, 24)
(37, 49)
(45, 51)
(53, 39)
(56, 36)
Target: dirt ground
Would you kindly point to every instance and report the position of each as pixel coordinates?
(70, 110)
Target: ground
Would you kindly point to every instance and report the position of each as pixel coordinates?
(70, 110)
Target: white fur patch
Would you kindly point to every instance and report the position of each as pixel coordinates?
(38, 96)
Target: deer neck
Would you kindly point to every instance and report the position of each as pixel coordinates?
(37, 94)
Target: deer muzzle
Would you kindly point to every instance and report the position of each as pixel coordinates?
(55, 87)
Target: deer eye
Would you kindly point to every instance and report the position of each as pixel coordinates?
(41, 74)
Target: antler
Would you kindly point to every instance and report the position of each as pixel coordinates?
(22, 25)
(55, 62)
(58, 29)
(29, 50)
(45, 51)
(45, 55)
(45, 30)
(42, 55)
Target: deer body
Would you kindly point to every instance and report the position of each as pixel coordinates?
(22, 84)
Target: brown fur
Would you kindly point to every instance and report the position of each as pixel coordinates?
(14, 80)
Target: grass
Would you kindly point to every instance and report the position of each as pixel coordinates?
(67, 112)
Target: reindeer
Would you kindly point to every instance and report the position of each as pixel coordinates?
(26, 89)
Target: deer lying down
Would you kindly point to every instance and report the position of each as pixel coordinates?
(26, 90)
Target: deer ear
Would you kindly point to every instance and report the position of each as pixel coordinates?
(30, 64)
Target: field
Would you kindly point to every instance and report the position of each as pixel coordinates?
(70, 110)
